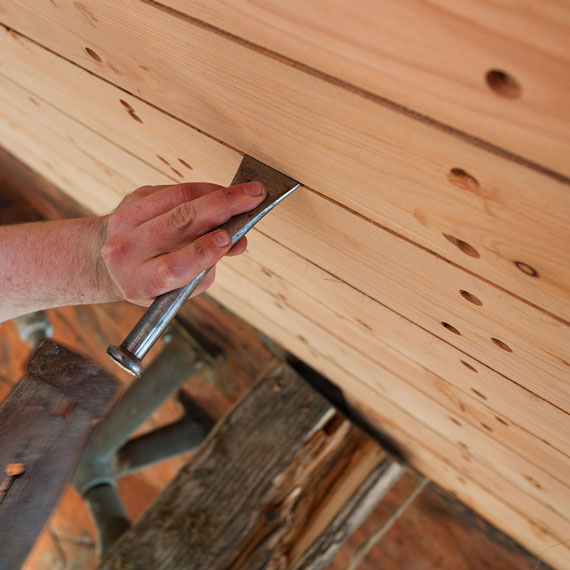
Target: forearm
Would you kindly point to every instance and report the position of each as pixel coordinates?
(51, 264)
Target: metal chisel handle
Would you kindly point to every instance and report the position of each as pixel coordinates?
(165, 307)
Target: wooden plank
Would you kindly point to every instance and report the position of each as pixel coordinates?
(543, 479)
(464, 383)
(395, 420)
(416, 179)
(529, 406)
(505, 494)
(311, 357)
(399, 275)
(261, 490)
(271, 260)
(429, 57)
(526, 405)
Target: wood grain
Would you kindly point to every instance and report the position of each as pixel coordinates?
(267, 482)
(348, 367)
(371, 374)
(398, 273)
(310, 355)
(419, 441)
(407, 175)
(429, 57)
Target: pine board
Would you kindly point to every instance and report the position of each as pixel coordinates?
(396, 272)
(429, 57)
(398, 366)
(386, 165)
(393, 418)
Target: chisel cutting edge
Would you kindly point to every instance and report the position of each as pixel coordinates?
(164, 308)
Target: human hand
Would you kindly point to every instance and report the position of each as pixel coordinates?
(157, 239)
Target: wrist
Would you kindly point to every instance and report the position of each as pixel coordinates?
(103, 286)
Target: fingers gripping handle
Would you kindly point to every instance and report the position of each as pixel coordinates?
(165, 307)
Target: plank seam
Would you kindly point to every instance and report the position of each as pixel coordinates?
(474, 425)
(230, 147)
(412, 322)
(297, 254)
(406, 357)
(428, 427)
(347, 208)
(379, 99)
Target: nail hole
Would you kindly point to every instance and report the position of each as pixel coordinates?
(450, 328)
(532, 481)
(462, 245)
(501, 344)
(478, 394)
(471, 298)
(93, 54)
(526, 269)
(458, 177)
(469, 366)
(488, 428)
(456, 422)
(502, 421)
(503, 84)
(184, 163)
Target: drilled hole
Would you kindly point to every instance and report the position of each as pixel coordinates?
(501, 344)
(462, 245)
(93, 54)
(458, 177)
(471, 298)
(503, 84)
(477, 393)
(469, 366)
(450, 328)
(526, 269)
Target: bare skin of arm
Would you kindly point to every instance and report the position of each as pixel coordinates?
(158, 239)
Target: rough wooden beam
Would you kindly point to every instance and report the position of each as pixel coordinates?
(278, 484)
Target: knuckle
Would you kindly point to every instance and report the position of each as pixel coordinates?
(114, 250)
(202, 254)
(225, 197)
(183, 215)
(164, 276)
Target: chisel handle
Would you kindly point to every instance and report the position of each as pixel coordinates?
(152, 324)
